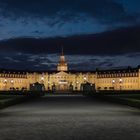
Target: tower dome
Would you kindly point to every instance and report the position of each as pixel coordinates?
(62, 65)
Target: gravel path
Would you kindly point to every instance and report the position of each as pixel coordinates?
(70, 118)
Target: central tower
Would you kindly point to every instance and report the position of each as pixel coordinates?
(62, 65)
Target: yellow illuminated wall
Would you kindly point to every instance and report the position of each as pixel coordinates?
(62, 79)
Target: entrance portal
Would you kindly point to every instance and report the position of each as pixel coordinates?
(63, 86)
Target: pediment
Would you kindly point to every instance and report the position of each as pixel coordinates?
(61, 73)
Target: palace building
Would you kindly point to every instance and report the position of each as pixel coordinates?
(63, 80)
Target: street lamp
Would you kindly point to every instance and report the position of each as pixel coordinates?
(120, 81)
(76, 85)
(5, 81)
(48, 85)
(85, 79)
(12, 81)
(42, 78)
(113, 82)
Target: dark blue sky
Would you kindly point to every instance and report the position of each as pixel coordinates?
(101, 33)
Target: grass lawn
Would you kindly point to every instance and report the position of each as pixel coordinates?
(128, 99)
(8, 100)
(125, 96)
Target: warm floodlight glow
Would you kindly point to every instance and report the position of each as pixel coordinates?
(42, 78)
(85, 78)
(120, 80)
(12, 81)
(5, 81)
(113, 81)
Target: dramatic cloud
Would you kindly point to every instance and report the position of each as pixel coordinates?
(75, 62)
(49, 8)
(32, 27)
(94, 33)
(48, 18)
(125, 40)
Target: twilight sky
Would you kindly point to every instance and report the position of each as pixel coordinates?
(93, 33)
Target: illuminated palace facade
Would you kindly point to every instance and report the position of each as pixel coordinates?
(62, 79)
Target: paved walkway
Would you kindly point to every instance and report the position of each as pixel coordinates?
(70, 118)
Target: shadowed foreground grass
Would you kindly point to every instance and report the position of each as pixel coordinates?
(132, 100)
(8, 100)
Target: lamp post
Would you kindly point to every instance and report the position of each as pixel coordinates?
(48, 82)
(113, 83)
(42, 79)
(77, 85)
(12, 82)
(5, 83)
(48, 85)
(5, 80)
(85, 79)
(120, 82)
